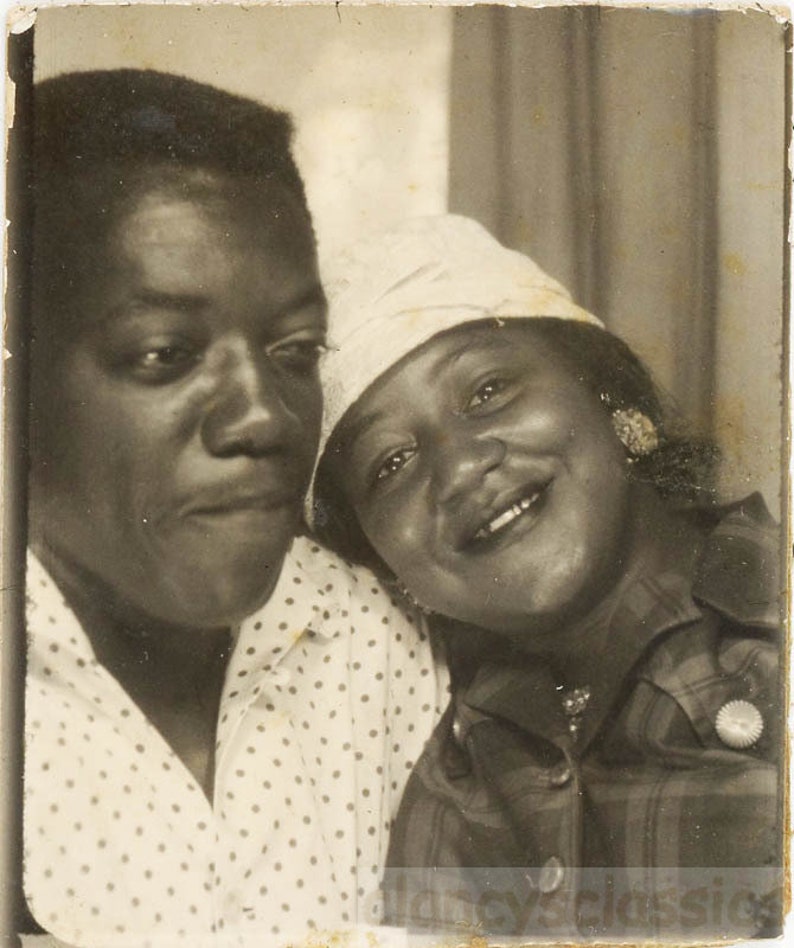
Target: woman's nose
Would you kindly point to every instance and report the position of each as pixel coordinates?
(247, 413)
(463, 461)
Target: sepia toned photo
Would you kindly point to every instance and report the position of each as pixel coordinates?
(396, 497)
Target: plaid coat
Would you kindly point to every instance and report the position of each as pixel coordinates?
(638, 814)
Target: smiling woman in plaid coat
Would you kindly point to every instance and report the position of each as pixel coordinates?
(607, 764)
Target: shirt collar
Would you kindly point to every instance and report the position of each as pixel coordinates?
(305, 603)
(303, 612)
(305, 584)
(49, 619)
(305, 591)
(739, 572)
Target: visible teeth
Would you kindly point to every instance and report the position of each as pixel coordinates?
(504, 518)
(507, 516)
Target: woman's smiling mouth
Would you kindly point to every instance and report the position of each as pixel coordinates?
(506, 517)
(499, 522)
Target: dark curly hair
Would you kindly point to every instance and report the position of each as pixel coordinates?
(681, 469)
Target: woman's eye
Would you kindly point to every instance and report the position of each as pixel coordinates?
(166, 355)
(485, 392)
(162, 363)
(300, 356)
(393, 464)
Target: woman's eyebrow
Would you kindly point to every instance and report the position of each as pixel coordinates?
(149, 299)
(359, 426)
(157, 299)
(311, 303)
(314, 296)
(449, 358)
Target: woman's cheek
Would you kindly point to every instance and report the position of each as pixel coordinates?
(385, 530)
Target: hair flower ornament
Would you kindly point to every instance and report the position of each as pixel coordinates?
(636, 431)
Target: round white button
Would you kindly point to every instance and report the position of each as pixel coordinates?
(551, 875)
(739, 724)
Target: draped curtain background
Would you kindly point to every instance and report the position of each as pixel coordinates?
(639, 156)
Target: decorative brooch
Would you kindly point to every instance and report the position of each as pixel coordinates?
(574, 704)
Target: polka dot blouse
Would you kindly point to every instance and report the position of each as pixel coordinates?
(329, 697)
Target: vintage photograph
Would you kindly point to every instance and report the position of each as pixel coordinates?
(396, 508)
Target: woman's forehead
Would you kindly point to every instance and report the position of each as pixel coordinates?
(472, 339)
(175, 206)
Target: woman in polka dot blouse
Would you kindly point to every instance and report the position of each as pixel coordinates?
(608, 766)
(220, 718)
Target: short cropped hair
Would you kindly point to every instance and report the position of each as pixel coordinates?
(98, 135)
(90, 120)
(681, 470)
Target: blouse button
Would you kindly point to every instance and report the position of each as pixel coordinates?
(551, 875)
(739, 724)
(560, 775)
